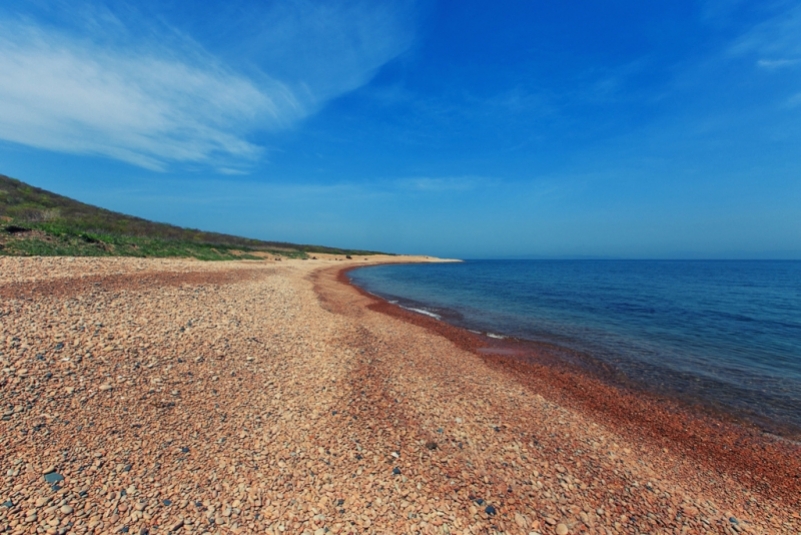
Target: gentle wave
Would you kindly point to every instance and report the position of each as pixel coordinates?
(421, 311)
(723, 333)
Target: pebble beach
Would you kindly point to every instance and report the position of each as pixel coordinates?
(176, 396)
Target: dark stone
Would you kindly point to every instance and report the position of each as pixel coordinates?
(479, 501)
(490, 510)
(39, 356)
(59, 346)
(396, 471)
(167, 502)
(83, 494)
(55, 488)
(358, 457)
(53, 477)
(123, 492)
(127, 468)
(125, 529)
(48, 375)
(8, 504)
(340, 502)
(144, 531)
(184, 450)
(733, 520)
(431, 445)
(440, 430)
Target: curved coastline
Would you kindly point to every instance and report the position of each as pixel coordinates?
(721, 441)
(269, 397)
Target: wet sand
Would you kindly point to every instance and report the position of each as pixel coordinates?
(255, 397)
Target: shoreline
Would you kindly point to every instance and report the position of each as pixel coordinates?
(723, 441)
(585, 363)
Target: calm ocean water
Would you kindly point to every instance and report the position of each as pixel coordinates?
(723, 333)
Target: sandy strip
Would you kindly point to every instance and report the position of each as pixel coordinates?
(253, 397)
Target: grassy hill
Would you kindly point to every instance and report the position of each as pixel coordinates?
(34, 221)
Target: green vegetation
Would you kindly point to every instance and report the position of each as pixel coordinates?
(37, 222)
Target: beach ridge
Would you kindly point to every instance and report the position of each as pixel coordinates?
(269, 397)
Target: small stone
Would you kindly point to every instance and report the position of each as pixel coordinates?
(167, 502)
(53, 477)
(66, 509)
(561, 529)
(8, 504)
(105, 387)
(490, 510)
(431, 445)
(396, 471)
(175, 526)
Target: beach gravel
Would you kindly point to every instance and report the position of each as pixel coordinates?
(177, 396)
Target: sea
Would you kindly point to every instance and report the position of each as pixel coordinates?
(722, 335)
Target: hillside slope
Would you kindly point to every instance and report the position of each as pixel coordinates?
(34, 221)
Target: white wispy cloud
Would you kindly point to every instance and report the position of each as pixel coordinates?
(142, 107)
(775, 39)
(772, 64)
(441, 184)
(153, 96)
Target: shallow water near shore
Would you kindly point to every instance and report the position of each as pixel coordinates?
(725, 334)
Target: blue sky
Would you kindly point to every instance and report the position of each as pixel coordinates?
(470, 129)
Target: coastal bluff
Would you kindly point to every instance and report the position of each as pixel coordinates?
(156, 396)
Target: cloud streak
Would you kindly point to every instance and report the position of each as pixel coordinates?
(777, 40)
(154, 97)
